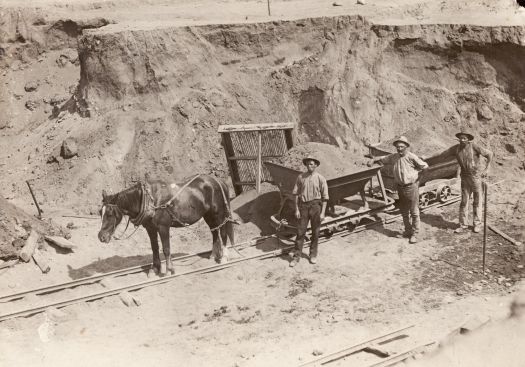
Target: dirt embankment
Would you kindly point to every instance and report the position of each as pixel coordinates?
(155, 96)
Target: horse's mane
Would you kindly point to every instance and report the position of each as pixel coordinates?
(125, 196)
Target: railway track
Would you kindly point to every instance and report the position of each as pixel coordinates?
(387, 350)
(281, 247)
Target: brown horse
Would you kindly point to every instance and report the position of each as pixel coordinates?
(159, 205)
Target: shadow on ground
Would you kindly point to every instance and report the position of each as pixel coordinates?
(257, 209)
(115, 263)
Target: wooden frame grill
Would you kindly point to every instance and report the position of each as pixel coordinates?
(247, 146)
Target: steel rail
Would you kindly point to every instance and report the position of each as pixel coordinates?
(355, 348)
(148, 283)
(394, 218)
(139, 285)
(401, 356)
(116, 273)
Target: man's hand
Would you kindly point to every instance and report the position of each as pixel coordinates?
(370, 163)
(297, 214)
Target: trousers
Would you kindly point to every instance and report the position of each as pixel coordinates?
(310, 212)
(470, 185)
(409, 206)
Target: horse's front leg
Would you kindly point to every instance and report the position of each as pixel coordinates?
(164, 232)
(153, 238)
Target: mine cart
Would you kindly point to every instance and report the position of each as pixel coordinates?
(343, 210)
(436, 183)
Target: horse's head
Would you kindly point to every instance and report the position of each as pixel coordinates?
(111, 216)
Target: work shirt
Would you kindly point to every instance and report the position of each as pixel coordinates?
(469, 158)
(406, 168)
(311, 186)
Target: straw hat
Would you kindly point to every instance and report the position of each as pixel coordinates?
(401, 139)
(310, 158)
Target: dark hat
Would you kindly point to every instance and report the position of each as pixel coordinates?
(468, 135)
(310, 158)
(401, 139)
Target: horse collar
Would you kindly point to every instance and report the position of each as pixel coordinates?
(137, 220)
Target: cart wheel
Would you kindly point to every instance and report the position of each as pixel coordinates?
(444, 193)
(424, 199)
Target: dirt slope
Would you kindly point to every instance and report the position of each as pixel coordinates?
(155, 97)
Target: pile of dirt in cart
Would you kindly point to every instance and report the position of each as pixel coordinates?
(15, 226)
(423, 142)
(335, 162)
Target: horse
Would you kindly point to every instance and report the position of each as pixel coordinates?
(159, 205)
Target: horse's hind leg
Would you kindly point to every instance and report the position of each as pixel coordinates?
(164, 232)
(216, 251)
(153, 238)
(224, 240)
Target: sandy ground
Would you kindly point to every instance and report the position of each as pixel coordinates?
(258, 313)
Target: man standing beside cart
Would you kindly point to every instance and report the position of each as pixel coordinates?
(469, 156)
(406, 168)
(311, 195)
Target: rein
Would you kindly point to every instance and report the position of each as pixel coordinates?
(137, 220)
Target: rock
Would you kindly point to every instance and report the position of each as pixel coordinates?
(31, 105)
(31, 86)
(317, 352)
(484, 112)
(361, 2)
(64, 60)
(57, 99)
(510, 148)
(69, 148)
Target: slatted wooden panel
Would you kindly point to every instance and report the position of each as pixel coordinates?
(241, 146)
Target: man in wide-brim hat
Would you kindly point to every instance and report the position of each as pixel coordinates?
(472, 171)
(310, 158)
(311, 196)
(406, 168)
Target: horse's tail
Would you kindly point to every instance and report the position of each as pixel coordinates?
(229, 220)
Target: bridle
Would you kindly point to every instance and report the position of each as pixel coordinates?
(137, 220)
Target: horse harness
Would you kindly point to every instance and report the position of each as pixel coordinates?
(148, 199)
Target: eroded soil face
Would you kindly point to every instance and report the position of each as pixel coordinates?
(142, 87)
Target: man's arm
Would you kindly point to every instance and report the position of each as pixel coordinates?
(295, 192)
(419, 163)
(488, 154)
(382, 160)
(324, 196)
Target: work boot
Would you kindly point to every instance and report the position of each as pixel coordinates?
(477, 229)
(313, 259)
(460, 229)
(413, 239)
(294, 262)
(407, 234)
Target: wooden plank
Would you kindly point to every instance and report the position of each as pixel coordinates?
(61, 242)
(234, 171)
(245, 183)
(288, 137)
(29, 248)
(41, 262)
(259, 163)
(505, 236)
(256, 127)
(251, 157)
(382, 186)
